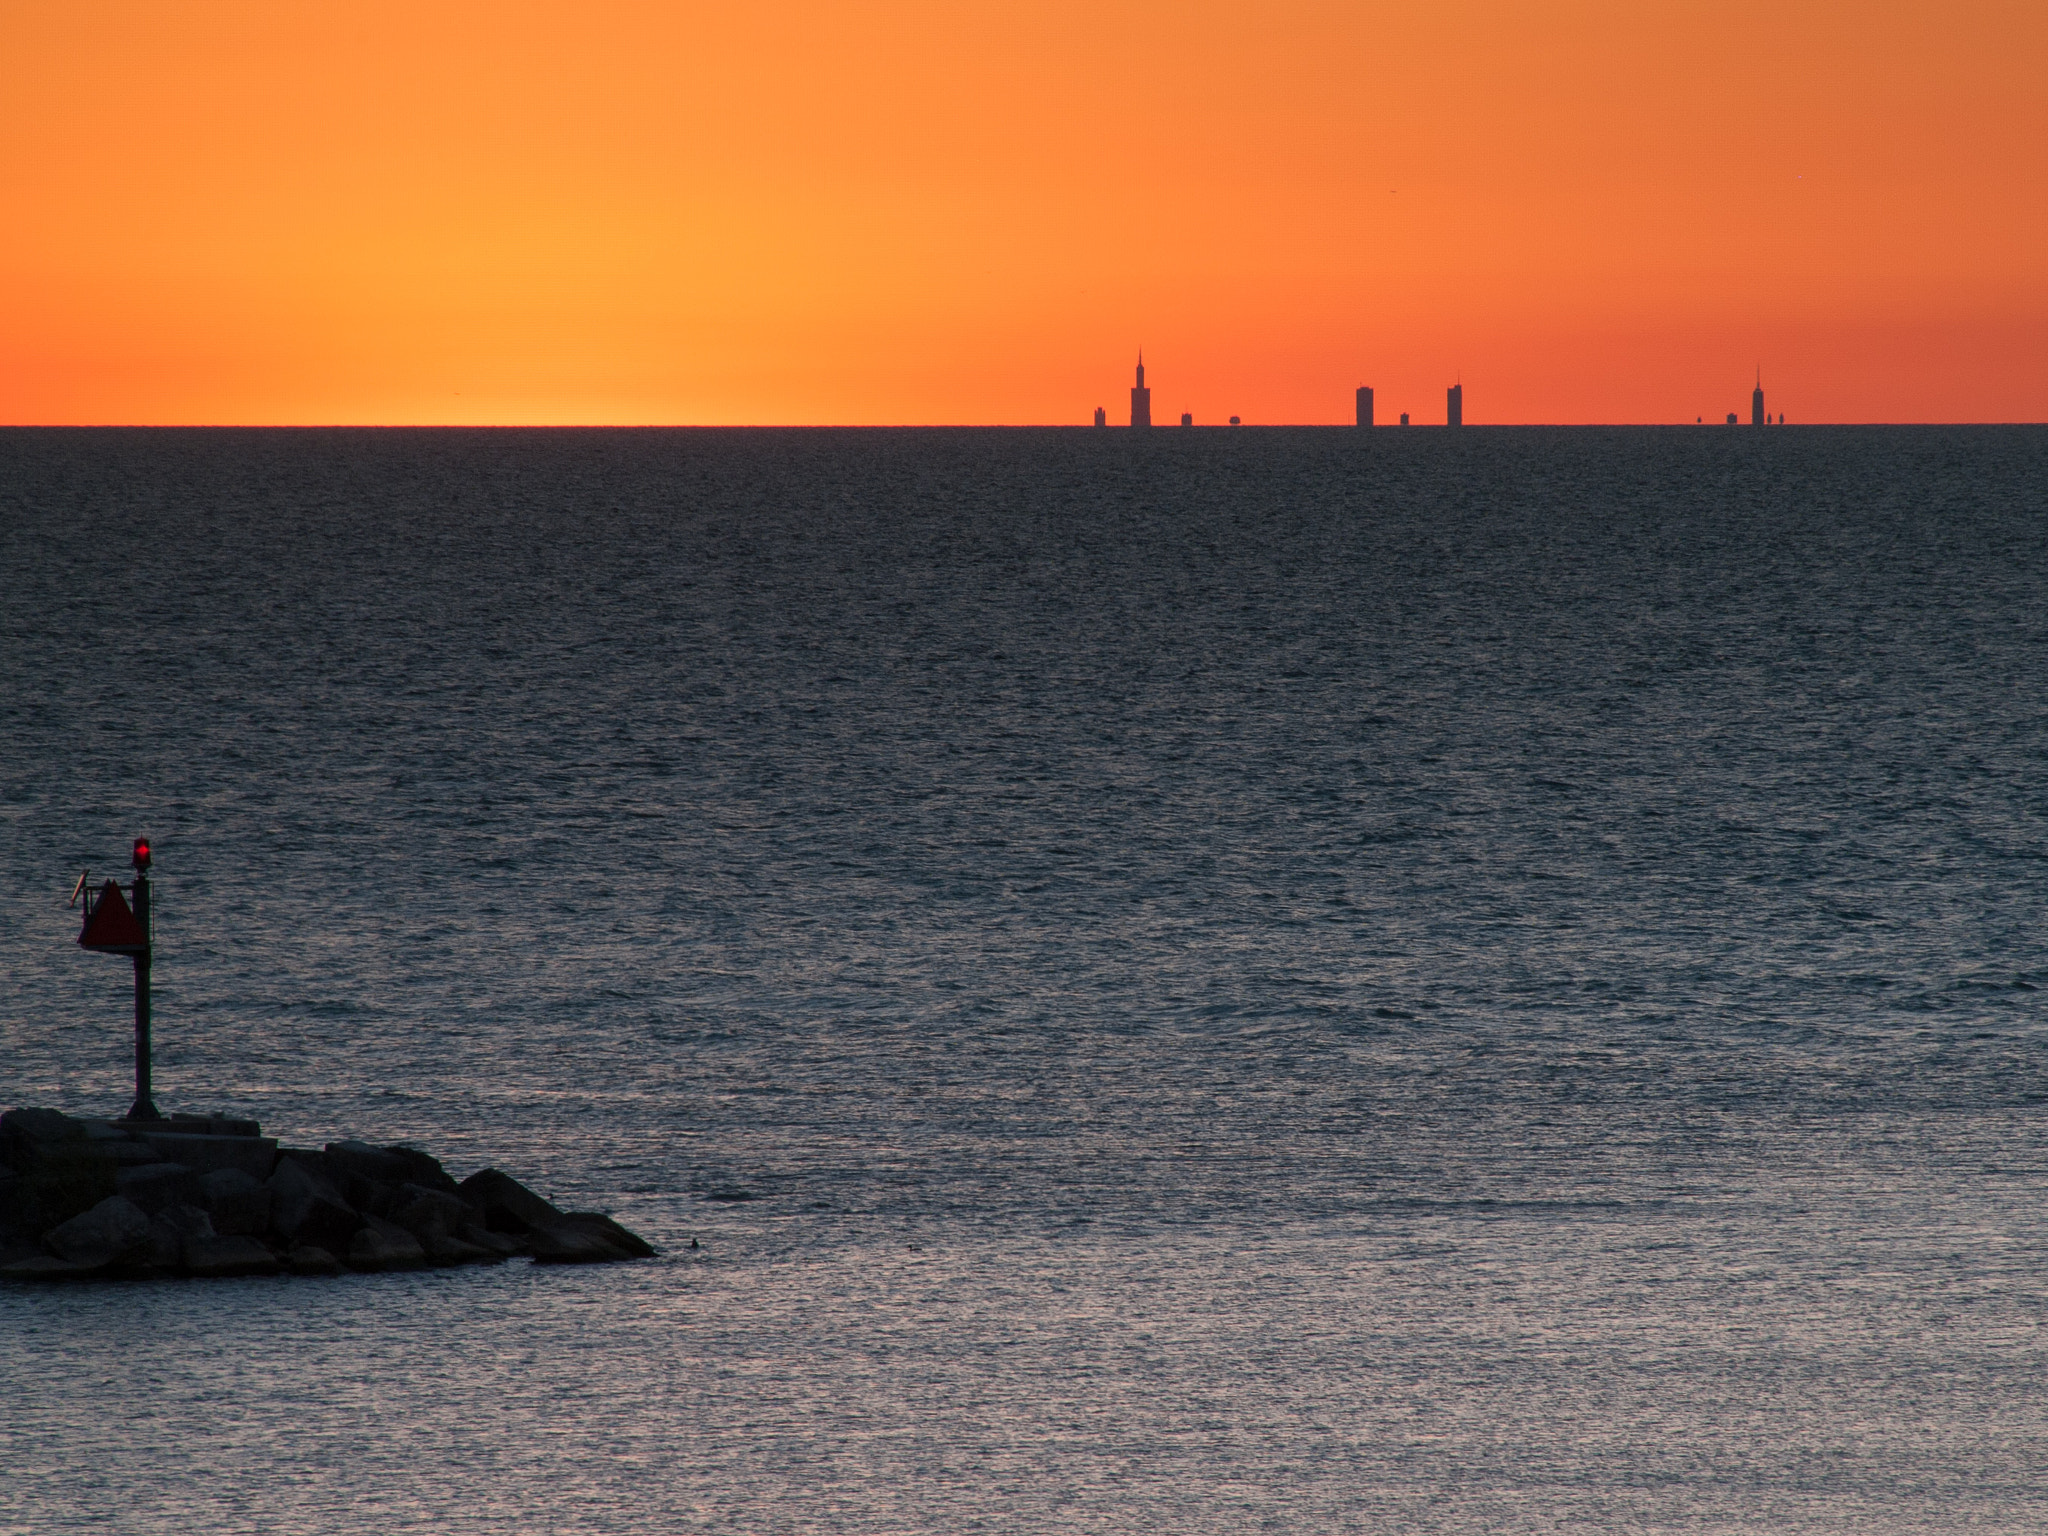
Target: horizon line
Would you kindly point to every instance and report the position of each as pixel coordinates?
(915, 426)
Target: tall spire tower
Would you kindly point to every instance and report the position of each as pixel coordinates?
(1756, 401)
(1141, 397)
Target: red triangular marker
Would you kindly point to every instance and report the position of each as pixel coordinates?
(111, 925)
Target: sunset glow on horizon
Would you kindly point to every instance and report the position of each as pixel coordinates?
(923, 213)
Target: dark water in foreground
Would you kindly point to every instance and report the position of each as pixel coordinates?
(1256, 980)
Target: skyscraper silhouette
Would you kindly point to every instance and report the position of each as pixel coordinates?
(1141, 397)
(1364, 405)
(1100, 416)
(1756, 401)
(1454, 406)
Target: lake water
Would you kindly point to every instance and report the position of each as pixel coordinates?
(1255, 980)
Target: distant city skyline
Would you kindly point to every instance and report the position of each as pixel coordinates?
(1363, 402)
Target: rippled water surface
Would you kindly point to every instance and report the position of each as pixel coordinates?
(1261, 980)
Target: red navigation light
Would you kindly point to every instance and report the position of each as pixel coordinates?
(142, 853)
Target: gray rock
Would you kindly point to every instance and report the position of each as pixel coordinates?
(508, 1205)
(25, 1133)
(429, 1214)
(109, 1140)
(566, 1244)
(423, 1170)
(186, 1221)
(239, 1204)
(16, 1248)
(156, 1185)
(551, 1235)
(254, 1155)
(445, 1250)
(313, 1162)
(312, 1261)
(503, 1244)
(32, 1203)
(113, 1232)
(42, 1266)
(170, 1229)
(600, 1225)
(217, 1258)
(384, 1245)
(126, 1152)
(372, 1163)
(305, 1209)
(63, 1173)
(365, 1195)
(166, 1248)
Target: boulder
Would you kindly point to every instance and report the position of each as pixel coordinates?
(113, 1232)
(444, 1250)
(156, 1185)
(106, 1138)
(423, 1170)
(312, 1261)
(169, 1229)
(377, 1179)
(126, 1153)
(372, 1163)
(186, 1221)
(166, 1252)
(305, 1209)
(569, 1244)
(216, 1258)
(16, 1248)
(501, 1244)
(631, 1244)
(32, 1203)
(507, 1205)
(61, 1172)
(239, 1204)
(41, 1266)
(25, 1134)
(315, 1163)
(551, 1235)
(431, 1214)
(254, 1155)
(361, 1191)
(382, 1245)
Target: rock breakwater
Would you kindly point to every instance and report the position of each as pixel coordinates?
(208, 1196)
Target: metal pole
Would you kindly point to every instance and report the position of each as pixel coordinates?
(144, 1107)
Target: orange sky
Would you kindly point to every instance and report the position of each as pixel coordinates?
(270, 211)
